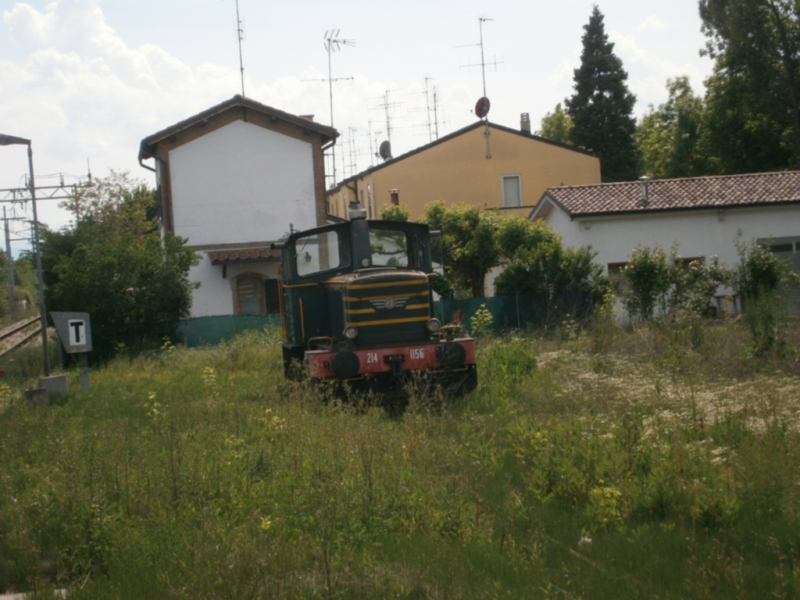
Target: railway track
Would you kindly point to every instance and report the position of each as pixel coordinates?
(7, 335)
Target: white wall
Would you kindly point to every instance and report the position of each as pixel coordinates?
(241, 183)
(698, 233)
(215, 294)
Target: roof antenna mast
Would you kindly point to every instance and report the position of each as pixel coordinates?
(240, 36)
(333, 43)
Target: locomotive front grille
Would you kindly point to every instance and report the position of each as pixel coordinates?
(388, 308)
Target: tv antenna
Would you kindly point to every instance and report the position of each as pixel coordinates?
(373, 153)
(351, 142)
(426, 109)
(483, 63)
(240, 36)
(386, 106)
(333, 43)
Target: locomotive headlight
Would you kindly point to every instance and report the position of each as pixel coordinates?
(434, 325)
(350, 333)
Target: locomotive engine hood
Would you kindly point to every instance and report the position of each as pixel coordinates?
(381, 305)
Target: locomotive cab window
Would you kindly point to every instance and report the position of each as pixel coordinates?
(389, 247)
(321, 252)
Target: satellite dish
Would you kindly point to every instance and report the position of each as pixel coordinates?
(482, 107)
(385, 150)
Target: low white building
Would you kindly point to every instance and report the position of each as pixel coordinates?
(704, 216)
(233, 179)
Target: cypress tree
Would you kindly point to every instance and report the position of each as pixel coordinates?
(601, 106)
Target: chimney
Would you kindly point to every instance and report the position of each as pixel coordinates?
(525, 123)
(645, 198)
(307, 117)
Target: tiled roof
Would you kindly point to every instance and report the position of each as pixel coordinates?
(219, 257)
(723, 191)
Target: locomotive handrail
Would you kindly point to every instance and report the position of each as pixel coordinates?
(321, 337)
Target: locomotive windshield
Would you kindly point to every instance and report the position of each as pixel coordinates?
(389, 247)
(322, 252)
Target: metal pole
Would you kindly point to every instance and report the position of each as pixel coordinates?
(42, 309)
(330, 93)
(239, 35)
(83, 358)
(12, 300)
(483, 63)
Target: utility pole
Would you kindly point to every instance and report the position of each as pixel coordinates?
(16, 195)
(12, 300)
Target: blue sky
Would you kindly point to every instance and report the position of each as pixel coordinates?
(88, 79)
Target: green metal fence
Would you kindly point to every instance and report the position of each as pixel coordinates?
(543, 312)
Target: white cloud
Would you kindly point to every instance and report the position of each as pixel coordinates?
(80, 92)
(652, 23)
(649, 71)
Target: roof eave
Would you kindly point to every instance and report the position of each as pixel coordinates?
(451, 136)
(645, 211)
(148, 144)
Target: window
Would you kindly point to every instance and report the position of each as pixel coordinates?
(512, 191)
(321, 252)
(786, 247)
(256, 295)
(619, 283)
(249, 298)
(389, 247)
(272, 300)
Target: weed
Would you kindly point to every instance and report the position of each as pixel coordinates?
(657, 467)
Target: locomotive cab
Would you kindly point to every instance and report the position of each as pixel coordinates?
(357, 307)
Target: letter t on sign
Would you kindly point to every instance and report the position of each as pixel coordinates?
(77, 332)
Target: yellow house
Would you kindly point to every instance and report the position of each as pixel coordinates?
(484, 164)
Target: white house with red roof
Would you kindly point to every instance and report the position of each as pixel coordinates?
(704, 216)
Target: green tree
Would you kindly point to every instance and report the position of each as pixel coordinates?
(393, 212)
(24, 283)
(469, 243)
(547, 266)
(670, 138)
(753, 96)
(112, 261)
(556, 126)
(601, 106)
(651, 274)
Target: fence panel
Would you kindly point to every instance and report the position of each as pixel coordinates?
(543, 311)
(540, 311)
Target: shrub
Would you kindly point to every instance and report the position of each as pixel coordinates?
(651, 275)
(761, 278)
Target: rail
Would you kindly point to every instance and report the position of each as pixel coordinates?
(16, 328)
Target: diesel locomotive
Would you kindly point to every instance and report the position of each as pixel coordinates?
(357, 309)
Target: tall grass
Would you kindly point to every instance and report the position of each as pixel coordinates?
(658, 467)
